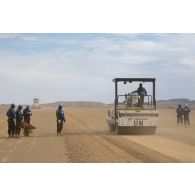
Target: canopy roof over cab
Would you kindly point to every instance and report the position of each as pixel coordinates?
(130, 80)
(134, 80)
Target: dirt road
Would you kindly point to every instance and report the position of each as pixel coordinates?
(87, 139)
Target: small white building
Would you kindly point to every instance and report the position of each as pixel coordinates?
(36, 103)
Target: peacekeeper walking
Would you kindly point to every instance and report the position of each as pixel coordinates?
(19, 120)
(27, 114)
(11, 120)
(60, 120)
(186, 112)
(179, 112)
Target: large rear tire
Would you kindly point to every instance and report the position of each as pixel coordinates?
(117, 130)
(111, 127)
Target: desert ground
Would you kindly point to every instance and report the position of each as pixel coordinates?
(86, 139)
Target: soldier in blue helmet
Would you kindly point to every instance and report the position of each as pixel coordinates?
(19, 119)
(27, 114)
(11, 120)
(179, 112)
(186, 112)
(60, 120)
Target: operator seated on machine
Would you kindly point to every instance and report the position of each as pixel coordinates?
(141, 91)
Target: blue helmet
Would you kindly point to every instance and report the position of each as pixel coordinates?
(20, 107)
(13, 106)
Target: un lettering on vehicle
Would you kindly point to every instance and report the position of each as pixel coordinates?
(134, 121)
(139, 122)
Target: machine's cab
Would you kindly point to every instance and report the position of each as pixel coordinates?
(135, 100)
(134, 110)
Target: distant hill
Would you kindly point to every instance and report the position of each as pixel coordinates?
(77, 104)
(172, 103)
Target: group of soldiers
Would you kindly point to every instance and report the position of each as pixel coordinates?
(16, 119)
(183, 115)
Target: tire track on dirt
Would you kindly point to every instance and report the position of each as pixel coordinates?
(85, 146)
(111, 146)
(138, 151)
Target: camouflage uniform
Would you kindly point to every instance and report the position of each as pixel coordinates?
(11, 120)
(141, 91)
(179, 112)
(19, 119)
(60, 119)
(27, 114)
(186, 115)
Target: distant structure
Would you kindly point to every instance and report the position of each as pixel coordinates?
(36, 103)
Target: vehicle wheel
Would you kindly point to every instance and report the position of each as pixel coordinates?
(117, 130)
(111, 127)
(152, 131)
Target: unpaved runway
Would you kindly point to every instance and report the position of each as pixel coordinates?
(87, 139)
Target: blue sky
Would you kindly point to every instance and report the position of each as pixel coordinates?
(75, 67)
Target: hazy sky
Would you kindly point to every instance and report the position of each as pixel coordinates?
(74, 67)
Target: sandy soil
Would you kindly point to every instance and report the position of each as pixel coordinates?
(86, 139)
